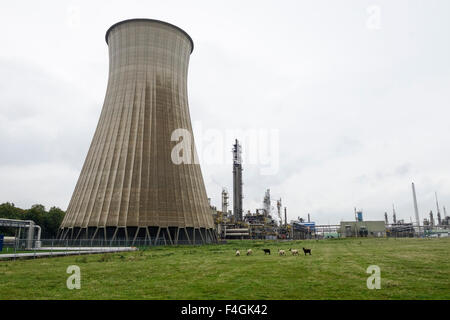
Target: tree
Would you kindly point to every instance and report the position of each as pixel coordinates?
(49, 221)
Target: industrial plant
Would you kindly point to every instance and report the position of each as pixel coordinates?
(267, 223)
(131, 188)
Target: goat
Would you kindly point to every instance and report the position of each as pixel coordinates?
(238, 253)
(281, 252)
(294, 252)
(307, 251)
(249, 252)
(266, 251)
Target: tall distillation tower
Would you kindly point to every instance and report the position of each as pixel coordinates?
(237, 181)
(438, 210)
(225, 201)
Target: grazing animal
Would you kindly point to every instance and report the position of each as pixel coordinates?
(249, 252)
(281, 252)
(266, 251)
(307, 251)
(294, 252)
(238, 253)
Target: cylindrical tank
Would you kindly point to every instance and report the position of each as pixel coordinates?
(130, 186)
(360, 215)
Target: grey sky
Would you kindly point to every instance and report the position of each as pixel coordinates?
(361, 112)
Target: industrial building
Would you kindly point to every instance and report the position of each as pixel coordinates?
(27, 230)
(141, 178)
(362, 229)
(400, 229)
(130, 185)
(257, 225)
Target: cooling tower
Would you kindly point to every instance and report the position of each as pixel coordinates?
(129, 186)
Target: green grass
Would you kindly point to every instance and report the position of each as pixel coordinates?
(410, 269)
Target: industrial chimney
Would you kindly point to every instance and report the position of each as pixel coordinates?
(133, 183)
(416, 210)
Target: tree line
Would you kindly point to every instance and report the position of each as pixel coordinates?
(49, 221)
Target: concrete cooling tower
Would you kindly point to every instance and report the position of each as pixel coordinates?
(130, 187)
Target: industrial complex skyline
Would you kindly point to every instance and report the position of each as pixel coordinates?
(349, 105)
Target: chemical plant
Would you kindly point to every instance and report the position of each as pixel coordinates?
(134, 186)
(264, 223)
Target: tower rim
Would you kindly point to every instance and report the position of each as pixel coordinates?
(149, 20)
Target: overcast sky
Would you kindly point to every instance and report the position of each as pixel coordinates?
(357, 92)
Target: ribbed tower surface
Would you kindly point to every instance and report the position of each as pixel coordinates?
(129, 187)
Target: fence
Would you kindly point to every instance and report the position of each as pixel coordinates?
(24, 244)
(23, 248)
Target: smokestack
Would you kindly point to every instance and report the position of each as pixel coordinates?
(309, 218)
(386, 218)
(394, 217)
(285, 216)
(438, 210)
(416, 210)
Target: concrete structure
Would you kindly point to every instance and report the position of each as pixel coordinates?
(140, 178)
(362, 229)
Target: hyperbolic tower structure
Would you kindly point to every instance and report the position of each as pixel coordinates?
(130, 186)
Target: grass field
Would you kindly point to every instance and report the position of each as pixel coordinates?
(410, 269)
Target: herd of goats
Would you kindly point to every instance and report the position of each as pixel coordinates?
(280, 252)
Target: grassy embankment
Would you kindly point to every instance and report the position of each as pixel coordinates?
(410, 269)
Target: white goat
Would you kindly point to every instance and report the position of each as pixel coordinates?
(249, 252)
(294, 252)
(281, 252)
(238, 253)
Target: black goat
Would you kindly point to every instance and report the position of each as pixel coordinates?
(307, 251)
(266, 251)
